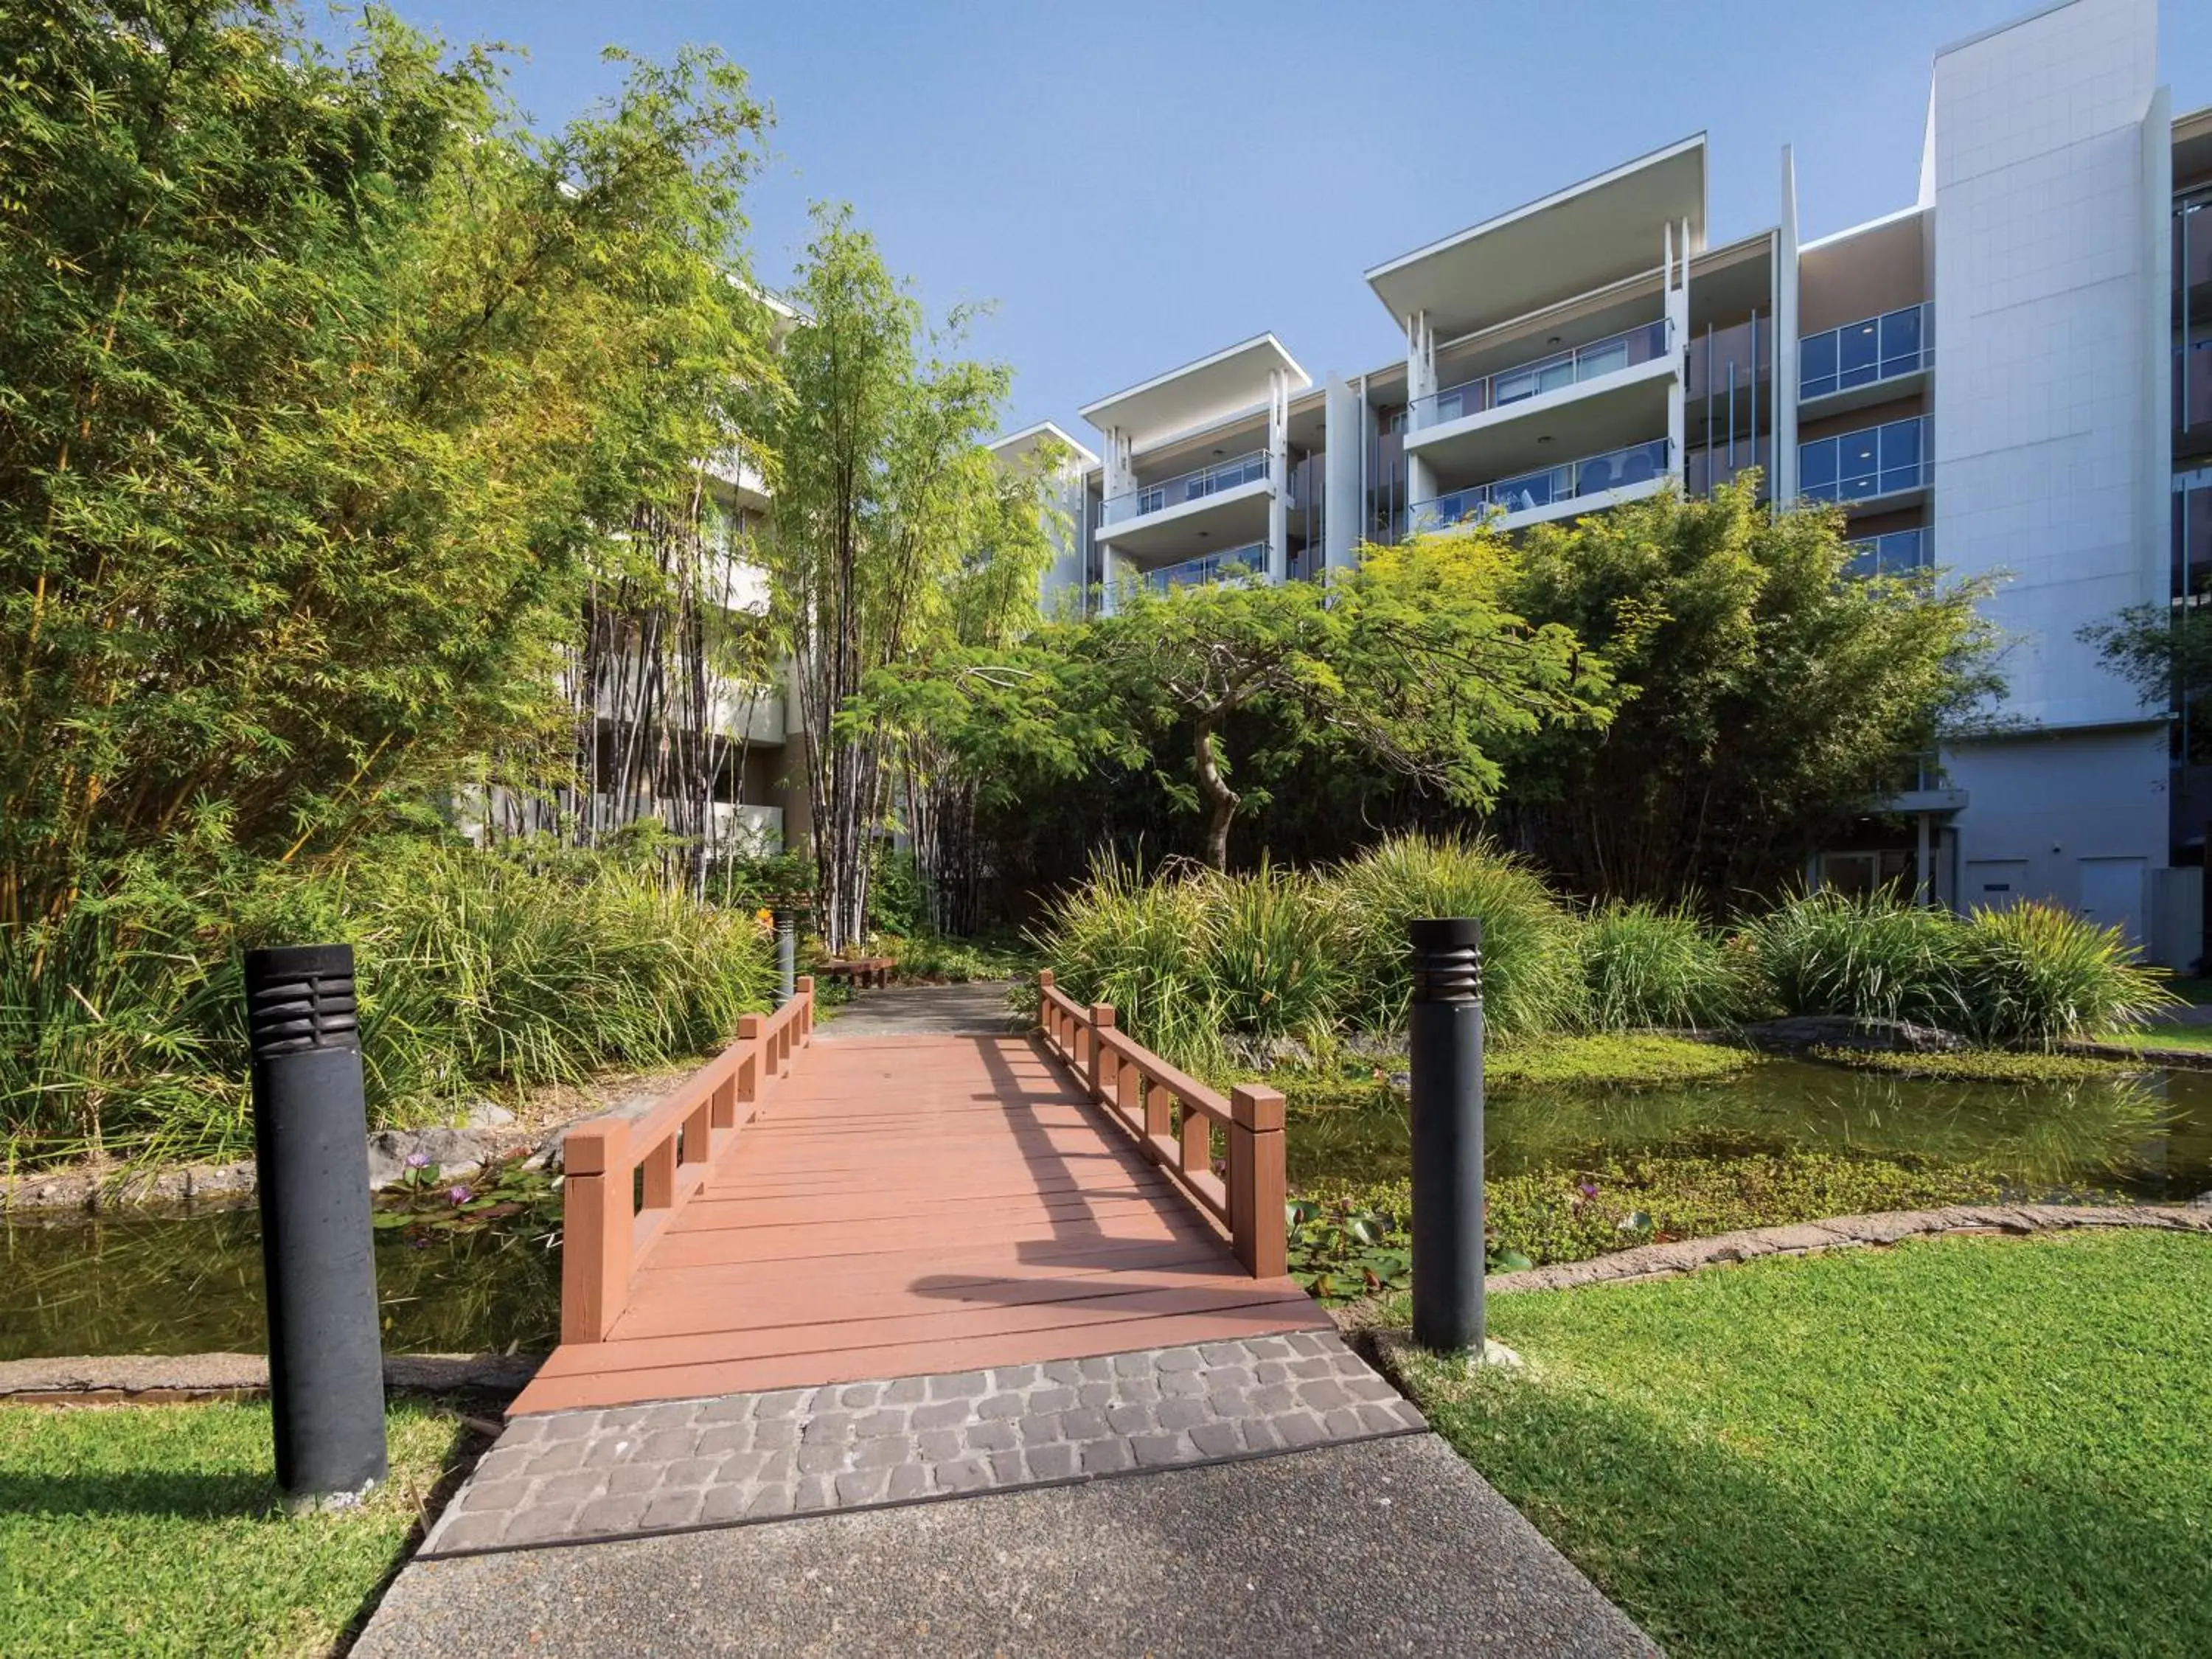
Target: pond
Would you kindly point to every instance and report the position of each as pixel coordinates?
(2147, 1134)
(165, 1283)
(151, 1284)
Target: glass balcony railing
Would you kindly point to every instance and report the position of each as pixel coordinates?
(2193, 387)
(1532, 380)
(1186, 487)
(1892, 554)
(1231, 564)
(1592, 475)
(1881, 460)
(1873, 350)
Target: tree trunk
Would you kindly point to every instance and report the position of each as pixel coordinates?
(1213, 790)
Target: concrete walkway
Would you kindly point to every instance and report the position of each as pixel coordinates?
(1387, 1545)
(978, 1008)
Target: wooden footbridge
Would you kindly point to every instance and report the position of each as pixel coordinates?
(799, 1213)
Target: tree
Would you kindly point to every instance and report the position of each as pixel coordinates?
(1765, 700)
(1412, 663)
(324, 384)
(884, 491)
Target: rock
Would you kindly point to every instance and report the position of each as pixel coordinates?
(487, 1115)
(1894, 1037)
(450, 1151)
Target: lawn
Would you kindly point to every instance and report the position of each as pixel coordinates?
(2163, 1037)
(1956, 1446)
(153, 1529)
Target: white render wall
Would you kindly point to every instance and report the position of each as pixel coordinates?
(2048, 250)
(2042, 266)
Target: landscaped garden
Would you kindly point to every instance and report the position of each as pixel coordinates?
(1966, 1445)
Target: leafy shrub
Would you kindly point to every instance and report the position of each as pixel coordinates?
(122, 1030)
(2035, 974)
(1874, 957)
(1142, 945)
(1531, 976)
(1643, 966)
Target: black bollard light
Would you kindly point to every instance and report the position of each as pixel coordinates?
(311, 1151)
(1446, 1104)
(787, 954)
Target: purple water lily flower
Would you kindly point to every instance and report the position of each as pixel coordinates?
(418, 1159)
(460, 1194)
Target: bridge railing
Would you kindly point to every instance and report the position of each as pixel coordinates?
(624, 1179)
(1175, 1117)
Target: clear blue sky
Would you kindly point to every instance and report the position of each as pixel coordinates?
(1138, 185)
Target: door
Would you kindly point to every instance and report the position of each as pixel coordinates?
(2112, 894)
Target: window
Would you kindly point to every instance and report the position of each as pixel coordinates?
(1865, 353)
(1878, 460)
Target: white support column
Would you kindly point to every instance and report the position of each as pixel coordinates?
(1118, 490)
(1674, 264)
(1279, 476)
(1420, 384)
(1343, 438)
(1783, 487)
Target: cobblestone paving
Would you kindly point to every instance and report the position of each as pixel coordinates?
(568, 1476)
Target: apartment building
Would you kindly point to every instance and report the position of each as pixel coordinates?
(2012, 372)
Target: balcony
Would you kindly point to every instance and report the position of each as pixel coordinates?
(1878, 463)
(1606, 480)
(1708, 469)
(1866, 361)
(1231, 564)
(1228, 498)
(2192, 535)
(1556, 373)
(1592, 397)
(1897, 554)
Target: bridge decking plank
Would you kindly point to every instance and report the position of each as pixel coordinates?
(909, 1205)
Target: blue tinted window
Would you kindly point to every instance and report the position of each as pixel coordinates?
(1816, 365)
(1816, 467)
(1857, 470)
(1858, 354)
(1900, 455)
(1900, 341)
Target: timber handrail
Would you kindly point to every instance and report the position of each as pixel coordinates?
(1174, 1116)
(610, 1218)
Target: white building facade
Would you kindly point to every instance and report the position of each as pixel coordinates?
(2009, 375)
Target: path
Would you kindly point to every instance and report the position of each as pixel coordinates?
(930, 1356)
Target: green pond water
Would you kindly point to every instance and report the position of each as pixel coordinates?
(149, 1283)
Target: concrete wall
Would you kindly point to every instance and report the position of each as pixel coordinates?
(1858, 277)
(2078, 820)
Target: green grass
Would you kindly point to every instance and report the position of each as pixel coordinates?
(1960, 1446)
(152, 1529)
(2198, 1037)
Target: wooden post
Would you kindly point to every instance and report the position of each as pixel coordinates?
(1197, 1141)
(1160, 1123)
(595, 1229)
(806, 1008)
(659, 1162)
(696, 1133)
(1045, 1009)
(1101, 1062)
(748, 1079)
(1129, 1087)
(1256, 1181)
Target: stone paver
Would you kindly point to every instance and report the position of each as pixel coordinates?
(923, 1010)
(569, 1476)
